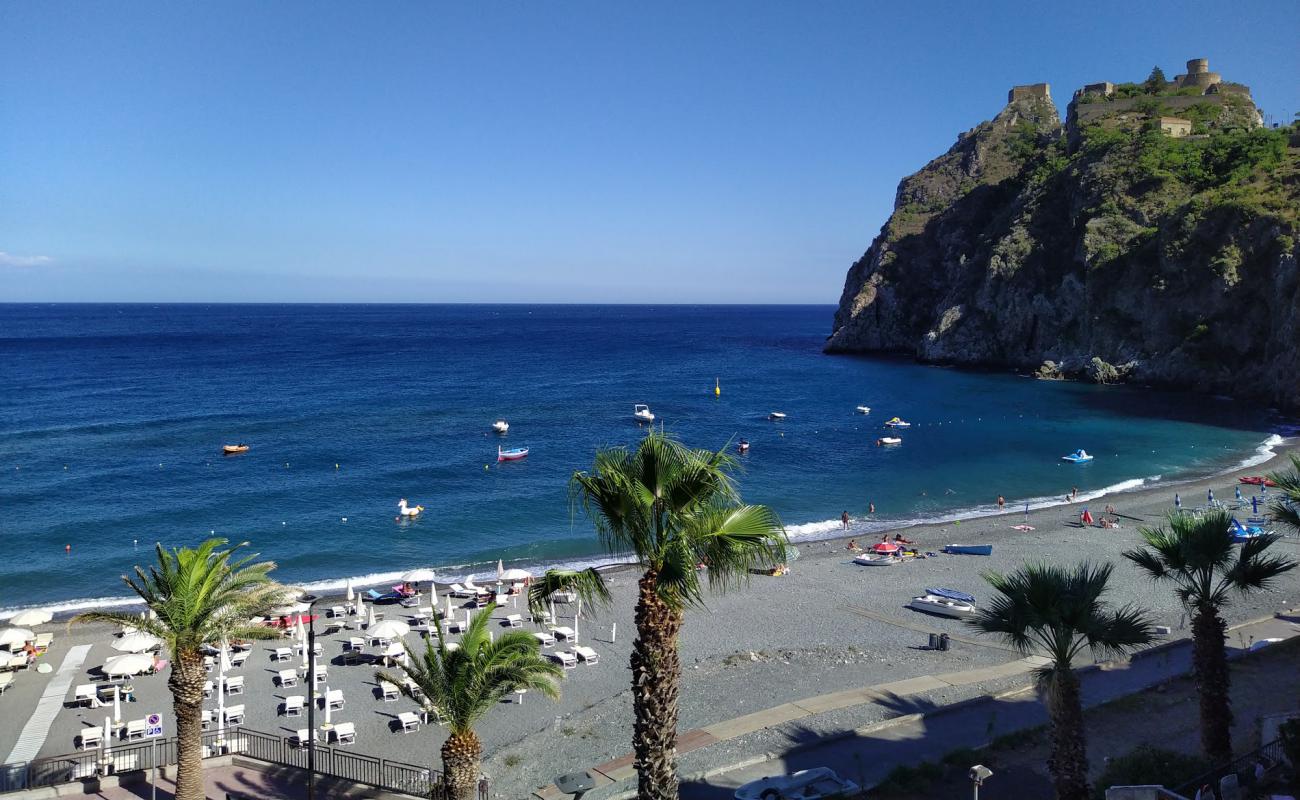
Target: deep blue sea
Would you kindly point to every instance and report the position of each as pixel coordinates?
(112, 419)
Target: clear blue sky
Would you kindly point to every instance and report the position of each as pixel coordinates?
(525, 151)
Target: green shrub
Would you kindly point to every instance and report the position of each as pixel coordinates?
(1147, 765)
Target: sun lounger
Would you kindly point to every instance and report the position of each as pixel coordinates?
(587, 655)
(410, 722)
(300, 738)
(372, 595)
(345, 733)
(567, 660)
(514, 620)
(91, 738)
(44, 640)
(460, 591)
(546, 639)
(206, 716)
(282, 654)
(238, 658)
(6, 680)
(321, 674)
(334, 699)
(564, 632)
(338, 611)
(235, 685)
(293, 705)
(84, 695)
(209, 663)
(388, 692)
(135, 729)
(16, 661)
(207, 689)
(235, 714)
(287, 678)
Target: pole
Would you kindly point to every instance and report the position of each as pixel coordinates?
(153, 768)
(311, 703)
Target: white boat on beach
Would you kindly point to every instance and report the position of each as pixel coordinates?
(501, 426)
(877, 560)
(945, 603)
(641, 413)
(864, 409)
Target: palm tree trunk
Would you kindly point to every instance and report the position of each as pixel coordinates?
(1068, 760)
(1210, 666)
(462, 754)
(186, 684)
(656, 673)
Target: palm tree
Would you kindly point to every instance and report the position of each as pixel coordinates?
(1287, 507)
(672, 509)
(1198, 556)
(462, 684)
(197, 597)
(1056, 612)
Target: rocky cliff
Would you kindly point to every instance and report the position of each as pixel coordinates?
(1107, 249)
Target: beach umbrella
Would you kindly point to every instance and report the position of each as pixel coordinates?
(1254, 504)
(1178, 501)
(221, 706)
(31, 617)
(501, 570)
(136, 643)
(117, 704)
(225, 665)
(15, 636)
(575, 621)
(419, 576)
(515, 574)
(108, 739)
(370, 620)
(128, 664)
(361, 606)
(327, 703)
(351, 595)
(389, 629)
(1237, 490)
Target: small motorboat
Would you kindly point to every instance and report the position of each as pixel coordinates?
(776, 415)
(233, 449)
(641, 413)
(884, 440)
(513, 454)
(742, 446)
(897, 423)
(945, 603)
(807, 784)
(877, 560)
(1079, 456)
(501, 426)
(1257, 480)
(864, 409)
(408, 511)
(970, 549)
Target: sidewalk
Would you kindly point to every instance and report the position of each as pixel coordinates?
(867, 754)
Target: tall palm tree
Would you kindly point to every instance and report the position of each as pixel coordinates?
(1286, 508)
(1198, 556)
(462, 684)
(197, 596)
(1057, 612)
(672, 509)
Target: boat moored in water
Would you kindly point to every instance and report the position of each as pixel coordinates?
(742, 446)
(1079, 456)
(776, 415)
(641, 413)
(233, 449)
(884, 440)
(513, 454)
(501, 426)
(945, 603)
(897, 423)
(864, 409)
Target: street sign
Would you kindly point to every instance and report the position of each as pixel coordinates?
(153, 725)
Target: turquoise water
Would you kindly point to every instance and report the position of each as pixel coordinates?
(112, 418)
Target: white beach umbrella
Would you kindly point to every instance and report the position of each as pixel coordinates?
(361, 605)
(351, 595)
(108, 738)
(389, 629)
(128, 664)
(299, 632)
(136, 643)
(419, 576)
(370, 620)
(15, 636)
(515, 574)
(31, 617)
(501, 570)
(221, 706)
(225, 665)
(327, 703)
(117, 704)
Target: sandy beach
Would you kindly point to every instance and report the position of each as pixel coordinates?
(826, 626)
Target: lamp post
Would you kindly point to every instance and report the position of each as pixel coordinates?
(978, 774)
(311, 704)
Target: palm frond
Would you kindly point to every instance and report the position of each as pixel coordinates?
(588, 584)
(731, 541)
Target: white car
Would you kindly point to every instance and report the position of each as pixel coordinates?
(808, 784)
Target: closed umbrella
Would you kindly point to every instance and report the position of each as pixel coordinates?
(361, 606)
(128, 664)
(370, 620)
(117, 705)
(225, 665)
(1254, 504)
(31, 617)
(351, 594)
(501, 570)
(327, 703)
(389, 629)
(15, 636)
(1237, 490)
(137, 642)
(221, 706)
(298, 631)
(108, 739)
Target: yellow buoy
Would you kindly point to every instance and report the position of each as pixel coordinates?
(717, 387)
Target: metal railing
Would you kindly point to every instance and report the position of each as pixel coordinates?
(1269, 755)
(332, 762)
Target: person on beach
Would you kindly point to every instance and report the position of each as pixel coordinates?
(1074, 493)
(853, 545)
(844, 520)
(1002, 502)
(898, 539)
(871, 508)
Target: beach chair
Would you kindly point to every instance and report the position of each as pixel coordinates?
(287, 678)
(84, 695)
(294, 705)
(514, 620)
(44, 640)
(409, 721)
(345, 733)
(207, 689)
(206, 716)
(299, 739)
(355, 644)
(372, 595)
(545, 638)
(91, 738)
(564, 632)
(235, 714)
(135, 730)
(338, 611)
(587, 655)
(567, 660)
(388, 692)
(321, 674)
(238, 657)
(209, 663)
(282, 654)
(460, 591)
(235, 685)
(6, 680)
(334, 699)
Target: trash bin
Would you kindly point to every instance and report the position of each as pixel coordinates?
(934, 641)
(943, 642)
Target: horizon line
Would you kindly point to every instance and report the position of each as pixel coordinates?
(381, 303)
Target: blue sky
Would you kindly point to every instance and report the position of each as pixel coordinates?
(524, 152)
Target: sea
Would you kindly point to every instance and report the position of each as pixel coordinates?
(113, 417)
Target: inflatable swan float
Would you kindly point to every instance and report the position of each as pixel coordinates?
(409, 512)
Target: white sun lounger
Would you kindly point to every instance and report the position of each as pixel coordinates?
(235, 685)
(85, 694)
(300, 738)
(238, 658)
(282, 654)
(460, 591)
(294, 704)
(564, 632)
(206, 715)
(334, 699)
(135, 729)
(410, 722)
(587, 655)
(207, 689)
(388, 692)
(6, 680)
(545, 638)
(287, 678)
(567, 660)
(345, 733)
(235, 714)
(514, 620)
(91, 738)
